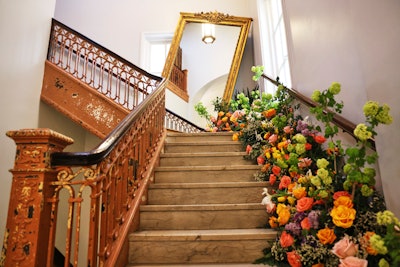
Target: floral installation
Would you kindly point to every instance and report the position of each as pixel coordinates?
(322, 201)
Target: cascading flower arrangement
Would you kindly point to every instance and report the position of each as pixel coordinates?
(322, 200)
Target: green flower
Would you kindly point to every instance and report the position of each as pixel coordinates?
(323, 194)
(322, 173)
(300, 149)
(316, 181)
(383, 263)
(378, 244)
(371, 108)
(258, 71)
(366, 191)
(383, 115)
(300, 139)
(316, 95)
(386, 217)
(362, 132)
(347, 168)
(322, 163)
(334, 88)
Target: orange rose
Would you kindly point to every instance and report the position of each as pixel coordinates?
(269, 113)
(285, 181)
(299, 192)
(305, 224)
(370, 250)
(340, 193)
(319, 139)
(276, 170)
(343, 216)
(272, 179)
(304, 204)
(318, 265)
(343, 201)
(286, 239)
(294, 259)
(273, 222)
(326, 236)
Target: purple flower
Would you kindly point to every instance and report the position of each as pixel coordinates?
(313, 217)
(293, 228)
(299, 216)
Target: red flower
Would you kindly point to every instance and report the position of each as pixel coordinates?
(304, 204)
(286, 239)
(260, 160)
(276, 170)
(248, 149)
(285, 181)
(319, 139)
(338, 194)
(272, 179)
(293, 259)
(308, 146)
(305, 224)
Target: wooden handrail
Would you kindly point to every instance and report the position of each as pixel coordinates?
(346, 125)
(98, 154)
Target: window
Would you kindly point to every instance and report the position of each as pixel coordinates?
(155, 49)
(273, 43)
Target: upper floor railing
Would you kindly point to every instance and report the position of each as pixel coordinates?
(98, 67)
(109, 74)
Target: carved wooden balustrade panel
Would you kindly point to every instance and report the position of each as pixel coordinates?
(101, 190)
(99, 68)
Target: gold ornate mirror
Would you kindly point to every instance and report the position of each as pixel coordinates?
(242, 26)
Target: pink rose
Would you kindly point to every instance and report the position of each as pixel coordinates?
(345, 248)
(353, 262)
(288, 129)
(273, 138)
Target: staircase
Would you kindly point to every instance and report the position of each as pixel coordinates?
(203, 208)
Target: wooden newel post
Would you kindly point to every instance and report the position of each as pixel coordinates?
(28, 223)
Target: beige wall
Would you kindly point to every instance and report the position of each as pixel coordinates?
(356, 43)
(24, 31)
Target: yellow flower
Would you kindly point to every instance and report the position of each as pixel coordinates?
(235, 137)
(299, 192)
(343, 216)
(291, 200)
(343, 201)
(326, 236)
(283, 214)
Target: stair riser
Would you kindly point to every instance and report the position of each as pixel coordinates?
(185, 148)
(204, 161)
(215, 195)
(191, 252)
(212, 219)
(205, 176)
(199, 138)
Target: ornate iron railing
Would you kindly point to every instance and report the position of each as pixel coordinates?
(98, 67)
(112, 179)
(175, 122)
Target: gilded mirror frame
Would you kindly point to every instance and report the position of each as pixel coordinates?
(218, 19)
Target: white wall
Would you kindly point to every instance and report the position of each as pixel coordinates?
(24, 31)
(356, 43)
